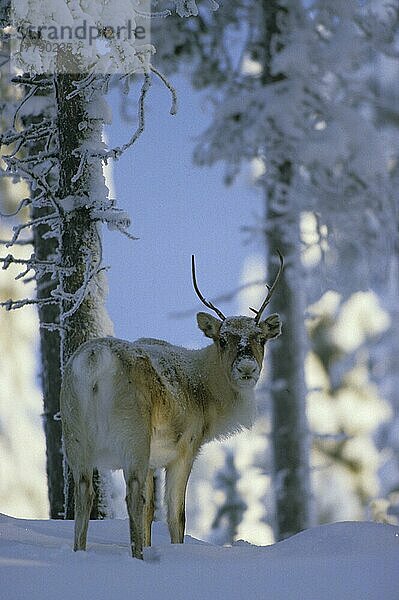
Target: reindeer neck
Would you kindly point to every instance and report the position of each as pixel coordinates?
(225, 407)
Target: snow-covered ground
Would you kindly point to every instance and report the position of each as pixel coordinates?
(342, 561)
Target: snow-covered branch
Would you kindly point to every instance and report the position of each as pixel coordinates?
(33, 144)
(15, 304)
(163, 78)
(48, 219)
(41, 267)
(24, 202)
(32, 133)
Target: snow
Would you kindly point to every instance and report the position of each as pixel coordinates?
(341, 561)
(79, 26)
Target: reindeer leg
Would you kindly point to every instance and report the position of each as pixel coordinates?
(84, 495)
(149, 507)
(135, 484)
(177, 474)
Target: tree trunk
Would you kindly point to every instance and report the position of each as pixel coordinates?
(50, 346)
(80, 184)
(290, 436)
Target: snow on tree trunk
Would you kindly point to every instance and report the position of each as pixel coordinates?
(81, 185)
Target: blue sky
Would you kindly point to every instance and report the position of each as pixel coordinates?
(177, 209)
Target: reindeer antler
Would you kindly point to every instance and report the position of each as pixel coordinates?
(271, 288)
(207, 303)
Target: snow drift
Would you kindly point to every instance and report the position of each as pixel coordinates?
(342, 561)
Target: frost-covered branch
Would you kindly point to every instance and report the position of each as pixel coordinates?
(34, 156)
(27, 242)
(78, 297)
(48, 219)
(116, 152)
(29, 95)
(82, 85)
(32, 133)
(41, 267)
(38, 82)
(163, 78)
(16, 304)
(24, 202)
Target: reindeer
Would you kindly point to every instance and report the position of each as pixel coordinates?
(143, 405)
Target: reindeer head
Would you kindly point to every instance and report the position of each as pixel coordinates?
(240, 341)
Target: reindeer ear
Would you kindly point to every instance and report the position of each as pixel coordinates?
(209, 325)
(271, 327)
